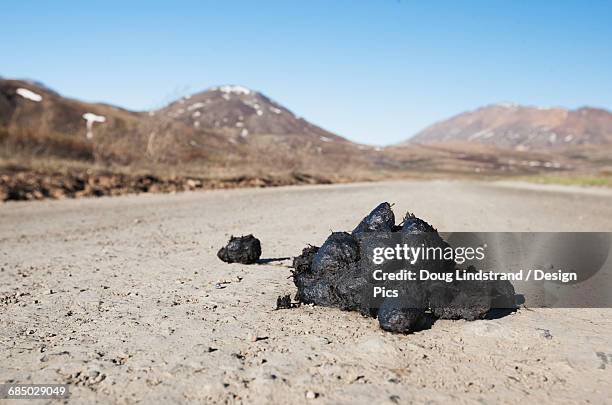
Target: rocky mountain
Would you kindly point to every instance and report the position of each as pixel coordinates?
(239, 111)
(224, 127)
(523, 128)
(237, 126)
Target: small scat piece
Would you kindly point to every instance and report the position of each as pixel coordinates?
(333, 278)
(404, 314)
(470, 300)
(284, 302)
(413, 225)
(303, 262)
(381, 219)
(243, 249)
(339, 251)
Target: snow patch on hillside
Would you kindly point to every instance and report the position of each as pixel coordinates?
(29, 95)
(196, 106)
(91, 118)
(233, 89)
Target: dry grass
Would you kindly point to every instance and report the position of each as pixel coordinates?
(268, 159)
(571, 180)
(28, 143)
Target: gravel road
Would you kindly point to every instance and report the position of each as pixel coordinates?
(116, 296)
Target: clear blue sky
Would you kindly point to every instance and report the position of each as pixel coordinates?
(374, 71)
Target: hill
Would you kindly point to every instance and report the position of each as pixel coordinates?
(226, 128)
(37, 121)
(523, 128)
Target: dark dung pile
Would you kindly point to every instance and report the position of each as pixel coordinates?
(332, 276)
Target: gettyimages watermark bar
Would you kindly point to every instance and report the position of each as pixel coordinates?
(546, 269)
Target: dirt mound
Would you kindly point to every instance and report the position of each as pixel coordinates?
(24, 184)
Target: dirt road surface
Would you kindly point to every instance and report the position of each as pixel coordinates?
(116, 296)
